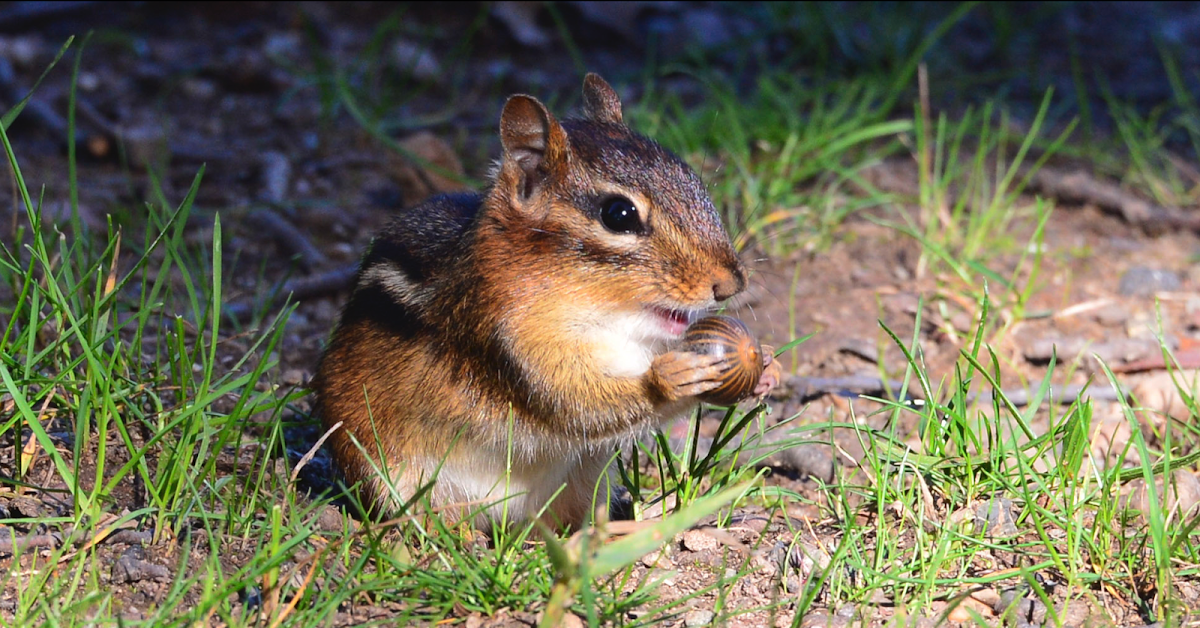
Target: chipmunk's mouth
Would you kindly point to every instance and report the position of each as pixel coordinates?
(673, 321)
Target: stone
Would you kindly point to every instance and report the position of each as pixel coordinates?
(1144, 281)
(995, 518)
(1182, 498)
(699, 541)
(416, 61)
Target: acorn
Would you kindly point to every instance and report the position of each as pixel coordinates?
(727, 336)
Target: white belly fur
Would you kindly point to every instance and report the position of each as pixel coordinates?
(482, 481)
(623, 344)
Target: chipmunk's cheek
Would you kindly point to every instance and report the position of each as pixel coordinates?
(622, 344)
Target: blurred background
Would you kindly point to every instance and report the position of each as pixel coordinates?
(928, 188)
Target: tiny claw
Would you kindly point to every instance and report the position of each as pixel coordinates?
(680, 374)
(772, 373)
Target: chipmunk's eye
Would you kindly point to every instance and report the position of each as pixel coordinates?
(620, 216)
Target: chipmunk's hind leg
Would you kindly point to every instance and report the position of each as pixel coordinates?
(588, 487)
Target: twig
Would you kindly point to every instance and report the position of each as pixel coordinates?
(96, 119)
(312, 451)
(1081, 187)
(288, 236)
(1081, 308)
(300, 289)
(107, 133)
(1184, 359)
(276, 176)
(130, 537)
(130, 569)
(316, 285)
(1064, 394)
(36, 110)
(112, 132)
(811, 387)
(121, 534)
(314, 559)
(10, 545)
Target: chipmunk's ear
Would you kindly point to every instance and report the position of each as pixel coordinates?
(600, 101)
(533, 139)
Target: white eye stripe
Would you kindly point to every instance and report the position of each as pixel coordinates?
(604, 242)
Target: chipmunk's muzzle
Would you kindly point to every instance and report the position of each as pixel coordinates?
(729, 282)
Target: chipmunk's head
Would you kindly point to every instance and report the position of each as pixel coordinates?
(624, 225)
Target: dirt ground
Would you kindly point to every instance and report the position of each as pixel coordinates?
(237, 89)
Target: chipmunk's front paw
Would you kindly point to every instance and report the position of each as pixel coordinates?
(680, 374)
(772, 372)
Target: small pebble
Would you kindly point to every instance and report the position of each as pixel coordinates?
(344, 250)
(1160, 392)
(708, 28)
(823, 620)
(963, 611)
(1037, 611)
(1143, 281)
(1111, 315)
(792, 584)
(146, 144)
(294, 377)
(849, 610)
(1012, 603)
(1145, 325)
(521, 19)
(88, 81)
(963, 322)
(698, 617)
(1182, 496)
(330, 519)
(995, 518)
(416, 61)
(756, 523)
(699, 541)
(27, 507)
(130, 569)
(656, 559)
(276, 174)
(198, 88)
(814, 460)
(286, 45)
(24, 50)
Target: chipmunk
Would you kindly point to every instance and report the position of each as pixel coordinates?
(506, 342)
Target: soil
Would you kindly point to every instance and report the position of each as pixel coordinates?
(237, 89)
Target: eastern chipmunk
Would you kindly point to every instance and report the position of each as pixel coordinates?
(507, 341)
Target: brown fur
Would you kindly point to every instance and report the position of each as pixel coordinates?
(492, 334)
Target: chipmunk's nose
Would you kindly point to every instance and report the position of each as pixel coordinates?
(729, 282)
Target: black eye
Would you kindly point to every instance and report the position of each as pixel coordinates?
(620, 216)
